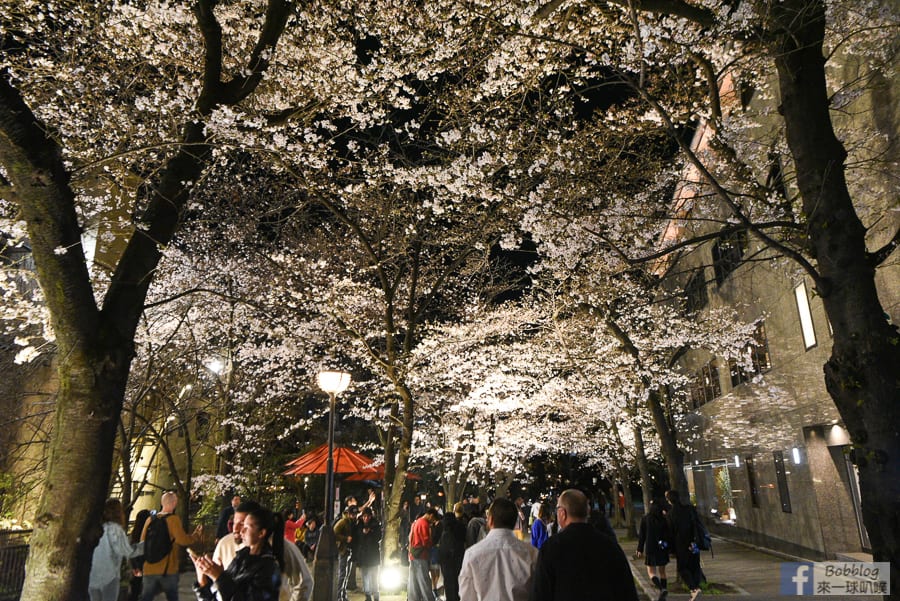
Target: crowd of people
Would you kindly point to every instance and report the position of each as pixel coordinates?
(505, 552)
(509, 554)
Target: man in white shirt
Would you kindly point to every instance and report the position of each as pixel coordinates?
(500, 567)
(296, 581)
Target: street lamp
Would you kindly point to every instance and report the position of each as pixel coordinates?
(324, 585)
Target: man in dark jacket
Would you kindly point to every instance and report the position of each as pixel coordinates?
(367, 552)
(581, 563)
(344, 531)
(451, 548)
(226, 518)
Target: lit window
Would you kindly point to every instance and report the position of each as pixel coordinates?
(706, 385)
(806, 322)
(759, 358)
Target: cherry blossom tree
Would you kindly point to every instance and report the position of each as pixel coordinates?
(812, 203)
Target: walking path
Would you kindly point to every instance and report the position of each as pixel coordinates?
(749, 574)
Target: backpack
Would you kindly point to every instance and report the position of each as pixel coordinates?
(157, 542)
(701, 534)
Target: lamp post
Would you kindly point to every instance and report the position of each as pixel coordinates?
(324, 585)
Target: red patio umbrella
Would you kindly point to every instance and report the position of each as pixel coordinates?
(346, 461)
(377, 473)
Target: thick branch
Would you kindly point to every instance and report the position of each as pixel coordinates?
(33, 163)
(728, 229)
(125, 299)
(723, 194)
(676, 8)
(879, 256)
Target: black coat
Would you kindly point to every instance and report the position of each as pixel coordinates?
(248, 578)
(367, 544)
(654, 539)
(682, 527)
(225, 516)
(452, 544)
(582, 564)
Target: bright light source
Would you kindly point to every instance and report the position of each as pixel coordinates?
(333, 382)
(391, 578)
(215, 365)
(737, 461)
(837, 436)
(795, 454)
(806, 322)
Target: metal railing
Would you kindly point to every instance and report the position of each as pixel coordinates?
(13, 552)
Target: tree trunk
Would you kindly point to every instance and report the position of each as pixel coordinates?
(96, 345)
(67, 525)
(861, 375)
(394, 502)
(504, 481)
(669, 445)
(641, 458)
(667, 436)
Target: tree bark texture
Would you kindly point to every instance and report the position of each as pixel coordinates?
(394, 503)
(641, 458)
(673, 455)
(93, 362)
(95, 347)
(861, 375)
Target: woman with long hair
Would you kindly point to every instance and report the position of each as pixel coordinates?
(114, 546)
(682, 520)
(255, 572)
(137, 562)
(654, 542)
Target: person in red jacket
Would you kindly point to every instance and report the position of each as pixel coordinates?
(420, 544)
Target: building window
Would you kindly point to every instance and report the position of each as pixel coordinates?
(759, 358)
(695, 292)
(706, 386)
(775, 178)
(806, 321)
(203, 426)
(751, 481)
(781, 475)
(727, 253)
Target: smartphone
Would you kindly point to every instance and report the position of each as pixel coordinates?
(192, 553)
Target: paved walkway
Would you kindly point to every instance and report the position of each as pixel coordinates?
(749, 574)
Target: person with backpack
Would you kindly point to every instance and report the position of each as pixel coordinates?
(654, 543)
(683, 527)
(163, 537)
